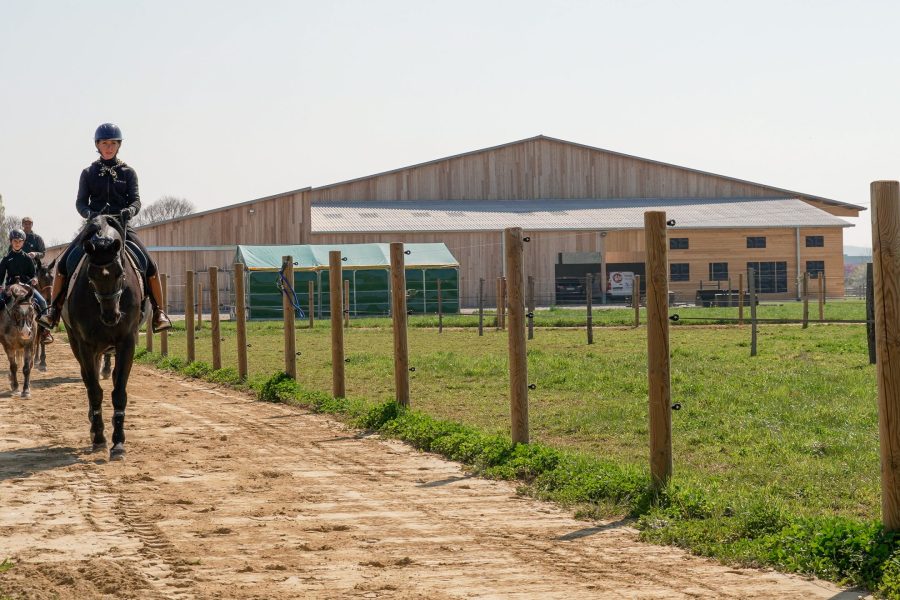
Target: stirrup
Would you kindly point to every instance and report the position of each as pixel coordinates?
(46, 336)
(161, 321)
(49, 320)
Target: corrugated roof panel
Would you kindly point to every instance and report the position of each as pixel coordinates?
(549, 215)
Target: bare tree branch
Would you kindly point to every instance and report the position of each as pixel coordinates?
(167, 207)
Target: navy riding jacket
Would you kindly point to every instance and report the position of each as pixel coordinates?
(107, 186)
(16, 264)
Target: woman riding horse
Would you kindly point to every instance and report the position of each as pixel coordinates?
(107, 186)
(17, 266)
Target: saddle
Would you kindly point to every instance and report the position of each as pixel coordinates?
(138, 260)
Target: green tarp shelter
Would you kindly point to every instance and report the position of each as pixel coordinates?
(366, 267)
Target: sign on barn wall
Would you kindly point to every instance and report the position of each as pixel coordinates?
(621, 283)
(579, 258)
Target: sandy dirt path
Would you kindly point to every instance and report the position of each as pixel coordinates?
(224, 497)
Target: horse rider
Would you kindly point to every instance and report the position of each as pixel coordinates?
(18, 267)
(34, 244)
(107, 186)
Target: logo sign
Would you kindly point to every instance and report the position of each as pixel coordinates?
(621, 283)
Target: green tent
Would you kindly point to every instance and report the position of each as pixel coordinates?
(365, 266)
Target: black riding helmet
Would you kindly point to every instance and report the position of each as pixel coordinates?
(108, 131)
(16, 234)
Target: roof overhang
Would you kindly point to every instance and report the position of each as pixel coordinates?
(564, 215)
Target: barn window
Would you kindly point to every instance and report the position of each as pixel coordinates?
(718, 271)
(815, 268)
(679, 272)
(678, 243)
(756, 242)
(815, 241)
(771, 277)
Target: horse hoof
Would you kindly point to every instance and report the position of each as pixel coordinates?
(26, 393)
(98, 446)
(117, 452)
(42, 367)
(104, 375)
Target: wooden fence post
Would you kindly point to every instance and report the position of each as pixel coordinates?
(346, 306)
(312, 303)
(199, 301)
(518, 363)
(440, 308)
(149, 332)
(335, 276)
(398, 316)
(751, 283)
(636, 299)
(287, 305)
(821, 297)
(805, 284)
(589, 301)
(503, 302)
(870, 313)
(480, 306)
(740, 298)
(164, 335)
(886, 271)
(240, 313)
(658, 348)
(531, 307)
(499, 303)
(189, 314)
(215, 332)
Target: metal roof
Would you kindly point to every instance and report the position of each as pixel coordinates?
(554, 215)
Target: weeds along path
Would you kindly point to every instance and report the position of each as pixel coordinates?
(224, 497)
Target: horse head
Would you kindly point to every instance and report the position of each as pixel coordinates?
(20, 311)
(103, 244)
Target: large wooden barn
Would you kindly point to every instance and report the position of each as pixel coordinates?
(581, 206)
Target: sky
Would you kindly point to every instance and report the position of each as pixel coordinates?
(223, 101)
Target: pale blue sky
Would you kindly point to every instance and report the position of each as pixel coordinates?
(224, 101)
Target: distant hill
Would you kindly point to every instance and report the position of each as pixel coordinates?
(857, 251)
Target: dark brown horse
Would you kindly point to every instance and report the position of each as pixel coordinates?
(45, 285)
(18, 333)
(103, 312)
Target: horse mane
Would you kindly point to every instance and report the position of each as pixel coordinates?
(18, 292)
(102, 232)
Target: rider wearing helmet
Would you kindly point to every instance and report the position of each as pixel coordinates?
(17, 266)
(107, 186)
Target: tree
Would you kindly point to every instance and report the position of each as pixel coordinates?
(7, 224)
(167, 207)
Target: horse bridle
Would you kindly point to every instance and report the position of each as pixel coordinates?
(115, 295)
(13, 315)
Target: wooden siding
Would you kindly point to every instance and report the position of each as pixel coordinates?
(549, 169)
(280, 219)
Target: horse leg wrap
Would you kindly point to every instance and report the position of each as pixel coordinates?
(118, 426)
(93, 414)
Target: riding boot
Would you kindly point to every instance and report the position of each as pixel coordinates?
(50, 319)
(46, 336)
(160, 318)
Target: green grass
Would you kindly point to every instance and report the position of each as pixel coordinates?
(776, 456)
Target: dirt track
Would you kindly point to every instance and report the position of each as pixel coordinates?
(224, 497)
